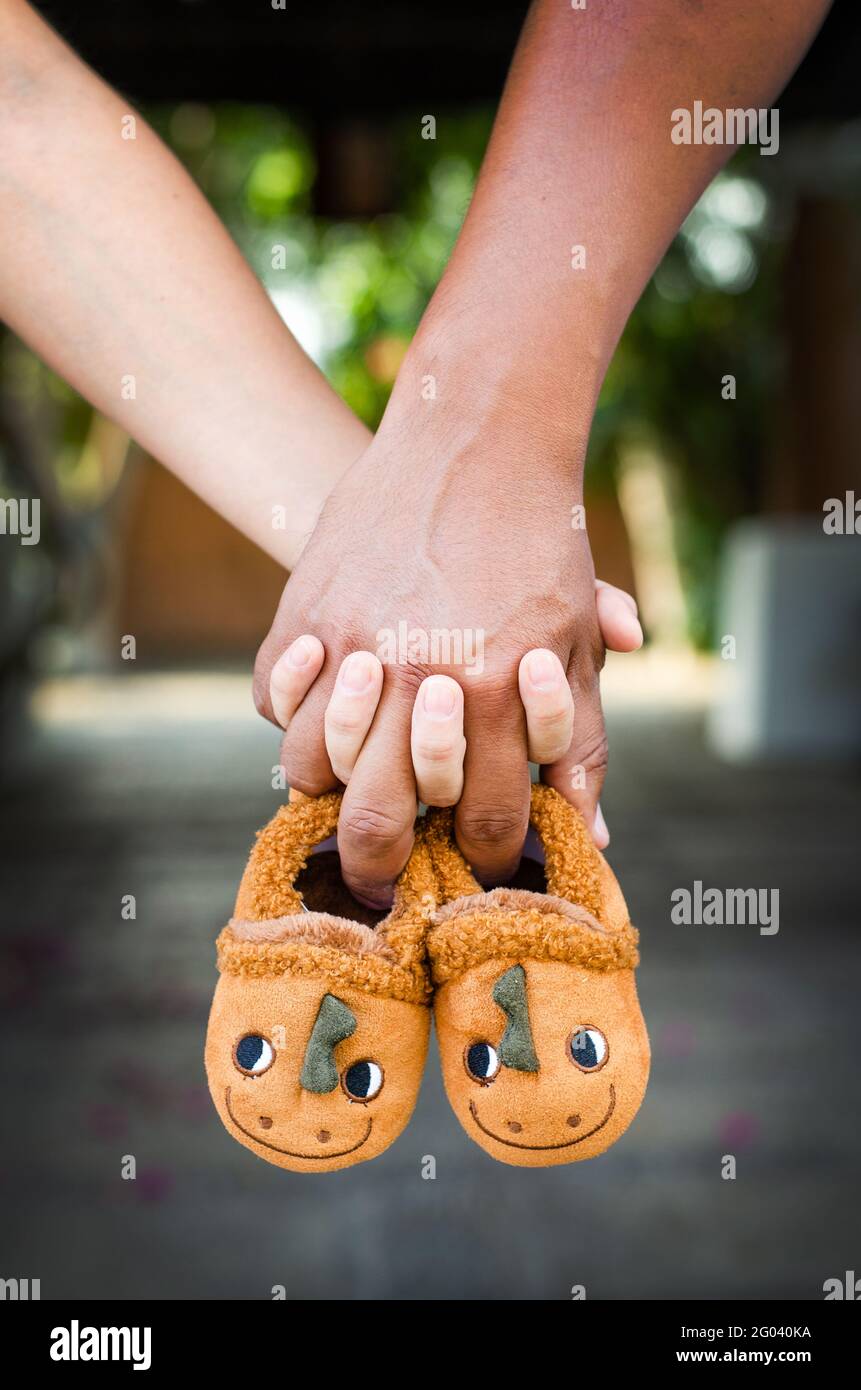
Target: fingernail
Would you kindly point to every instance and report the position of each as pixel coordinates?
(636, 628)
(542, 670)
(299, 654)
(601, 833)
(438, 698)
(357, 672)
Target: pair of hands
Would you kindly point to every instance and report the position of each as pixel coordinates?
(470, 583)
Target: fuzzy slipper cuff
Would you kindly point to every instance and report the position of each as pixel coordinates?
(514, 924)
(314, 944)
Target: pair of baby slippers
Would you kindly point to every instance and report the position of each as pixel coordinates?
(319, 1027)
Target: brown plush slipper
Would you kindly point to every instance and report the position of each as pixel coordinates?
(319, 1026)
(545, 1055)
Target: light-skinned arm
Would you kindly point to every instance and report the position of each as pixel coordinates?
(116, 271)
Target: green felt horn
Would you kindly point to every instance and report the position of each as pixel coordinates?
(333, 1024)
(517, 1049)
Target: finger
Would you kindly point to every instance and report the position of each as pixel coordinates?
(492, 815)
(303, 748)
(579, 774)
(351, 710)
(293, 675)
(548, 703)
(617, 618)
(375, 829)
(274, 645)
(437, 742)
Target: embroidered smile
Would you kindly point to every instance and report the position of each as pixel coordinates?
(512, 1144)
(295, 1153)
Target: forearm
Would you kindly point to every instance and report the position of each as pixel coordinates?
(116, 271)
(582, 156)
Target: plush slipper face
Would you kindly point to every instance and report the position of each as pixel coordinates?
(313, 1075)
(319, 1027)
(545, 1054)
(543, 1062)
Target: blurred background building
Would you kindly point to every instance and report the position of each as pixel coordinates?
(708, 502)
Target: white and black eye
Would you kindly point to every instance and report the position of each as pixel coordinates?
(253, 1054)
(362, 1081)
(588, 1048)
(481, 1062)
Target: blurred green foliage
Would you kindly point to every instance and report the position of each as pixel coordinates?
(709, 312)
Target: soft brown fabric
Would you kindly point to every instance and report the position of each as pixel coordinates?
(407, 925)
(573, 864)
(386, 960)
(577, 950)
(454, 877)
(278, 964)
(272, 1114)
(376, 972)
(281, 850)
(509, 923)
(510, 899)
(557, 1114)
(318, 929)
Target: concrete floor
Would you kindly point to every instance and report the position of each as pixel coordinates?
(155, 790)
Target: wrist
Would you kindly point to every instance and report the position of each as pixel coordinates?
(466, 375)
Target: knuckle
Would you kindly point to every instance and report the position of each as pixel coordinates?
(404, 680)
(350, 636)
(587, 659)
(495, 688)
(367, 829)
(550, 719)
(436, 754)
(594, 754)
(492, 825)
(344, 725)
